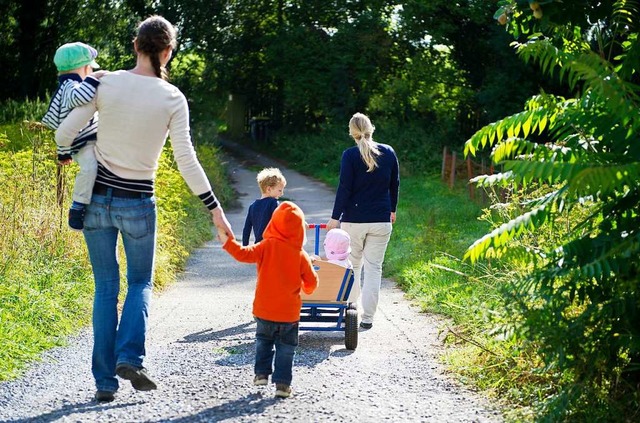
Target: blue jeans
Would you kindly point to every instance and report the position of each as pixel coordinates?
(135, 220)
(284, 336)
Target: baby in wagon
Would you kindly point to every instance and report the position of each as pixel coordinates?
(337, 246)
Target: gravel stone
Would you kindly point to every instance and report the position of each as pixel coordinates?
(200, 351)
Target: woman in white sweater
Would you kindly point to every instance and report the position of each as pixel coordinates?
(138, 109)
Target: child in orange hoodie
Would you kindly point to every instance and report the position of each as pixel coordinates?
(283, 269)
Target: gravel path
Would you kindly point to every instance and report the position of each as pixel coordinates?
(200, 350)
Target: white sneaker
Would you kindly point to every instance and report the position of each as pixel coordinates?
(260, 380)
(282, 390)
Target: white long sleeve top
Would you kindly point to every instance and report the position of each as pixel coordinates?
(136, 115)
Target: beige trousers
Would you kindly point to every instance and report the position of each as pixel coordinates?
(368, 246)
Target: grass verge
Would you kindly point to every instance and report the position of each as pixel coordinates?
(46, 283)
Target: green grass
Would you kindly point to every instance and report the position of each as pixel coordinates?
(46, 283)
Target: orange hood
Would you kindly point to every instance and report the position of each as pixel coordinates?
(287, 225)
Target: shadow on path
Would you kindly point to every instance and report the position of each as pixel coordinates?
(69, 409)
(316, 347)
(253, 404)
(209, 335)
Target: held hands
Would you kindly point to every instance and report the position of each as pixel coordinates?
(332, 224)
(65, 162)
(222, 235)
(222, 224)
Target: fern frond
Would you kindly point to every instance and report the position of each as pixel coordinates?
(499, 237)
(511, 148)
(605, 86)
(513, 126)
(502, 179)
(626, 12)
(550, 58)
(601, 256)
(601, 181)
(527, 171)
(630, 58)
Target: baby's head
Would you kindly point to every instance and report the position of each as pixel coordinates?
(76, 58)
(337, 245)
(271, 182)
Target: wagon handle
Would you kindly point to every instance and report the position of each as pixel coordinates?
(317, 227)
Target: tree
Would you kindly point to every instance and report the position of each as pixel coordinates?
(581, 301)
(497, 84)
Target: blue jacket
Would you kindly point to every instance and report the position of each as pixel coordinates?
(258, 218)
(367, 197)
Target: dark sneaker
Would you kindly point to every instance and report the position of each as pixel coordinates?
(364, 325)
(138, 377)
(76, 219)
(104, 396)
(282, 390)
(260, 380)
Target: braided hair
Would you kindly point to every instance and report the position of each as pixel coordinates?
(155, 34)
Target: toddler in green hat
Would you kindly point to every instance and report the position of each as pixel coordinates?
(77, 84)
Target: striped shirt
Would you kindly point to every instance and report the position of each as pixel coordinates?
(110, 179)
(136, 114)
(72, 92)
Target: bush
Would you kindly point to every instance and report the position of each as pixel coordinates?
(46, 283)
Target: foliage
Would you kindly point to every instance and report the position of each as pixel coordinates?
(419, 149)
(32, 31)
(483, 69)
(302, 63)
(580, 301)
(40, 261)
(12, 111)
(45, 276)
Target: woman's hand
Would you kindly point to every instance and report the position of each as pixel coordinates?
(332, 224)
(98, 74)
(221, 222)
(393, 217)
(222, 235)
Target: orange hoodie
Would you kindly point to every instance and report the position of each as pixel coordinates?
(283, 266)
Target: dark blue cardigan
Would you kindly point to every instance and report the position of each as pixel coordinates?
(367, 197)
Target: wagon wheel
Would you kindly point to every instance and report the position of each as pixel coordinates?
(351, 329)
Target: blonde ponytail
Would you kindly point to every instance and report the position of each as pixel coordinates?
(361, 129)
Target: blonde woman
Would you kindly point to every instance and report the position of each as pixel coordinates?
(365, 207)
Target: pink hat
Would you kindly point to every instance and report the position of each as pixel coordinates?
(337, 245)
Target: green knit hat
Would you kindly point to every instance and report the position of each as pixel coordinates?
(75, 55)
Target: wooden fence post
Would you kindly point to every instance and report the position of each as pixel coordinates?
(472, 190)
(452, 177)
(444, 163)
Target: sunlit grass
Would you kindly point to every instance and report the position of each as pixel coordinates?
(46, 283)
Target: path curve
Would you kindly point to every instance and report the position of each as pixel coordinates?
(200, 350)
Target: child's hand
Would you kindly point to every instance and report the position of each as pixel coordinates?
(222, 235)
(65, 162)
(98, 74)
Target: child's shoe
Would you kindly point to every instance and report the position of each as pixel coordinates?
(260, 380)
(282, 390)
(76, 219)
